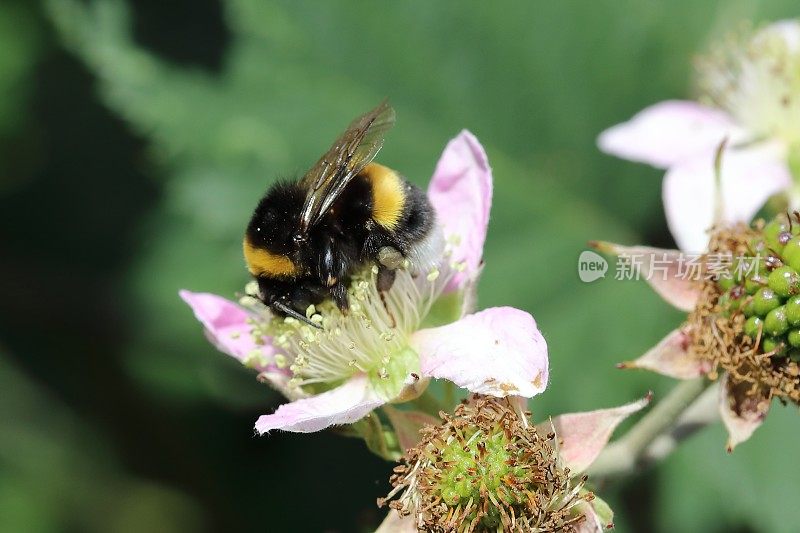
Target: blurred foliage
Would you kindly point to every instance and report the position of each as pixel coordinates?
(57, 474)
(137, 422)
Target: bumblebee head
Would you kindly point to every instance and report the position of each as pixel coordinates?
(273, 236)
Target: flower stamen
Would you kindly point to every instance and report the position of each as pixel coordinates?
(482, 469)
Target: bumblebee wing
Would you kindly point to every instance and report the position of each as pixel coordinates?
(350, 153)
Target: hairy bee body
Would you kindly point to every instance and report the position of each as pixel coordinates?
(377, 211)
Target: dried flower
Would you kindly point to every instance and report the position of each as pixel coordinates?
(743, 322)
(486, 468)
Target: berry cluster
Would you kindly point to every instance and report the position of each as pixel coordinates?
(765, 288)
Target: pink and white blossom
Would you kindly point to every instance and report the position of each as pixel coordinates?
(386, 351)
(750, 102)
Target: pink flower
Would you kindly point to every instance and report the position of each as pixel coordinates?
(386, 351)
(751, 94)
(434, 490)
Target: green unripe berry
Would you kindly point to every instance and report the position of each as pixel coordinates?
(794, 338)
(793, 310)
(773, 231)
(791, 253)
(752, 284)
(753, 327)
(726, 282)
(748, 309)
(730, 301)
(794, 355)
(776, 323)
(764, 301)
(785, 281)
(773, 344)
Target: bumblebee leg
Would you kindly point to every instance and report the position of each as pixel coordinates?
(339, 295)
(386, 278)
(390, 257)
(384, 282)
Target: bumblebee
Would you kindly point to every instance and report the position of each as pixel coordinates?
(307, 238)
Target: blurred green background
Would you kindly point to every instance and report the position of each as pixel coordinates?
(135, 139)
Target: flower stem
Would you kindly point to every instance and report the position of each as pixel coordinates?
(428, 404)
(656, 434)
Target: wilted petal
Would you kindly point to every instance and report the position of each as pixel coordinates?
(343, 405)
(227, 328)
(672, 357)
(741, 414)
(498, 352)
(394, 523)
(582, 436)
(461, 192)
(669, 132)
(749, 177)
(406, 425)
(669, 272)
(592, 522)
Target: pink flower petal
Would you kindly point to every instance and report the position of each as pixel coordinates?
(671, 357)
(749, 177)
(498, 351)
(741, 414)
(668, 132)
(592, 522)
(345, 404)
(394, 523)
(582, 436)
(279, 380)
(669, 272)
(227, 329)
(461, 192)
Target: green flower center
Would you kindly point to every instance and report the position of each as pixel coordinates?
(483, 469)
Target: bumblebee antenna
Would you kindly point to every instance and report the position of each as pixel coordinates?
(283, 308)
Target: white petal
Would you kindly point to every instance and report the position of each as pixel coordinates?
(788, 30)
(742, 415)
(669, 132)
(498, 351)
(669, 272)
(672, 357)
(582, 436)
(461, 192)
(343, 405)
(749, 176)
(592, 522)
(394, 523)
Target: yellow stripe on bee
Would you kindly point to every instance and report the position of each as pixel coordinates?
(388, 196)
(260, 262)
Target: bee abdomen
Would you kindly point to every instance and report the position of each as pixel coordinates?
(388, 195)
(262, 263)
